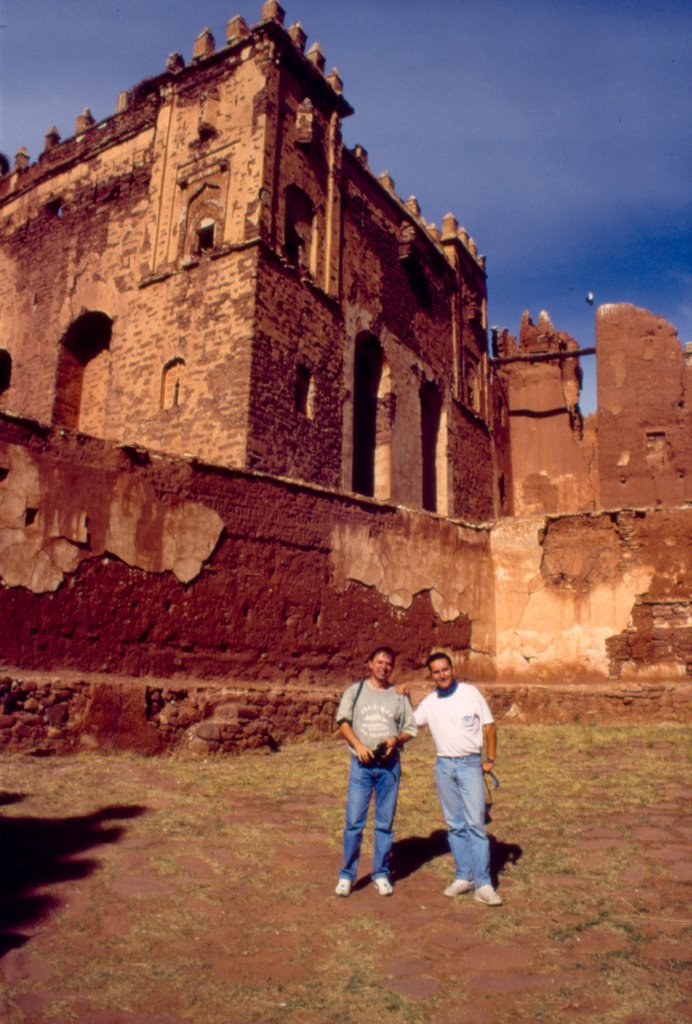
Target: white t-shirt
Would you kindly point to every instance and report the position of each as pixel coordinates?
(455, 720)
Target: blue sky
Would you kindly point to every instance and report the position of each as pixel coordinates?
(558, 133)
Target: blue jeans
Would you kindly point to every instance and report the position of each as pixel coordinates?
(363, 781)
(459, 782)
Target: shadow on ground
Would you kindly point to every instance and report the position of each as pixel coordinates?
(502, 854)
(36, 852)
(414, 852)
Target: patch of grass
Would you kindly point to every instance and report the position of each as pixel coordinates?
(216, 924)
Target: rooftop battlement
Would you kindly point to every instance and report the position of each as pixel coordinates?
(139, 104)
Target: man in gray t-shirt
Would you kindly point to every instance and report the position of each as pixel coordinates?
(375, 721)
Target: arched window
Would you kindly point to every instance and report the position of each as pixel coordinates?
(473, 383)
(298, 229)
(374, 409)
(82, 373)
(5, 370)
(305, 392)
(366, 382)
(204, 219)
(172, 383)
(430, 412)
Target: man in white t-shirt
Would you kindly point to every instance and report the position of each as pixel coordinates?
(460, 721)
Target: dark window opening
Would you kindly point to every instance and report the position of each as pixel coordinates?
(205, 236)
(656, 449)
(54, 208)
(419, 282)
(86, 338)
(430, 414)
(172, 383)
(206, 131)
(5, 370)
(295, 246)
(298, 228)
(304, 392)
(204, 220)
(473, 383)
(366, 383)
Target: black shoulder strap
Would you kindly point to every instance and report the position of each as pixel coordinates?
(355, 699)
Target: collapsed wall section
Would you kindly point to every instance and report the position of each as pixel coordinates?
(594, 597)
(120, 562)
(150, 600)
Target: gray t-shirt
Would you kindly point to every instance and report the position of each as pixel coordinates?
(377, 714)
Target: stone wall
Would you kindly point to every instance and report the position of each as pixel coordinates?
(594, 597)
(120, 561)
(48, 713)
(644, 410)
(156, 603)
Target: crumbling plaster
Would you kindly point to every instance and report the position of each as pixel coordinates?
(553, 620)
(46, 529)
(423, 554)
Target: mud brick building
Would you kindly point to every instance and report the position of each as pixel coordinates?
(251, 419)
(210, 271)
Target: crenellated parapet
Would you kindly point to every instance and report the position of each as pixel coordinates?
(138, 106)
(151, 92)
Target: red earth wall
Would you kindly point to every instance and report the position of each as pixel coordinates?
(644, 410)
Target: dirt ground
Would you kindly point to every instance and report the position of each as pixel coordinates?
(168, 891)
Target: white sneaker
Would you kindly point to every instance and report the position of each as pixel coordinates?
(486, 894)
(343, 887)
(383, 886)
(458, 886)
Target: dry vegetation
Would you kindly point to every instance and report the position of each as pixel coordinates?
(184, 890)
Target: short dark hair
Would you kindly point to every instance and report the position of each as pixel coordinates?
(436, 656)
(382, 650)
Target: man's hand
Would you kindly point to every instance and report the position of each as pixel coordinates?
(364, 754)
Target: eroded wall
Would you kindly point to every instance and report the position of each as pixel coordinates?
(114, 561)
(180, 568)
(644, 410)
(594, 597)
